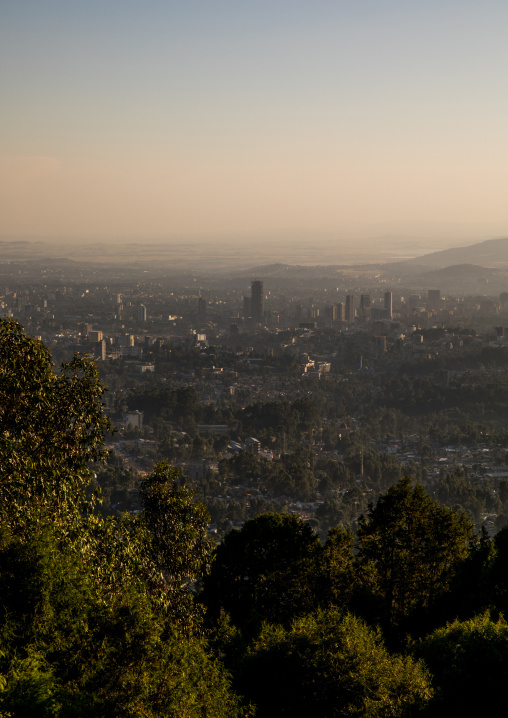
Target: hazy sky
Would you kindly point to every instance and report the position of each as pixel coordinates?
(177, 117)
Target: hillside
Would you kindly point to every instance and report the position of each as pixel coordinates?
(491, 253)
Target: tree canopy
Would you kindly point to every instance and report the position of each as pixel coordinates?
(265, 571)
(51, 426)
(96, 613)
(177, 536)
(99, 616)
(469, 662)
(408, 549)
(331, 665)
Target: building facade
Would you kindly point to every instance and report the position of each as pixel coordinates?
(257, 301)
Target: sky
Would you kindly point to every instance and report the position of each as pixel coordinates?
(220, 118)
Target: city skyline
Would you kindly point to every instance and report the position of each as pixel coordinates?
(177, 120)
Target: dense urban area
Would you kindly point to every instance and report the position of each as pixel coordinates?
(281, 492)
(307, 398)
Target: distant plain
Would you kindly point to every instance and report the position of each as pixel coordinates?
(238, 252)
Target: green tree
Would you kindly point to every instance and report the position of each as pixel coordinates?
(337, 573)
(96, 614)
(482, 583)
(177, 529)
(469, 664)
(330, 665)
(409, 548)
(51, 427)
(67, 651)
(266, 571)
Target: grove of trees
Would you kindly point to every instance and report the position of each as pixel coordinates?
(143, 615)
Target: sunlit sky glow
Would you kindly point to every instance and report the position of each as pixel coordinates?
(213, 117)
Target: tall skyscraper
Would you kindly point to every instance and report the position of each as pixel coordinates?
(365, 307)
(257, 301)
(141, 313)
(331, 313)
(388, 305)
(350, 309)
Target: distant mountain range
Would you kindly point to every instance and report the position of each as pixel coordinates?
(459, 279)
(491, 253)
(481, 269)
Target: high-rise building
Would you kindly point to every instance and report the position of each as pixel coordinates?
(350, 309)
(365, 307)
(99, 349)
(141, 313)
(126, 340)
(95, 336)
(257, 301)
(388, 304)
(331, 313)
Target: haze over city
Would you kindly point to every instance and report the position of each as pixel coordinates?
(372, 129)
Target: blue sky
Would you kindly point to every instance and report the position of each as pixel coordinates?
(165, 119)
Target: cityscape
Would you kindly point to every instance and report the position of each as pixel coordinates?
(282, 370)
(253, 359)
